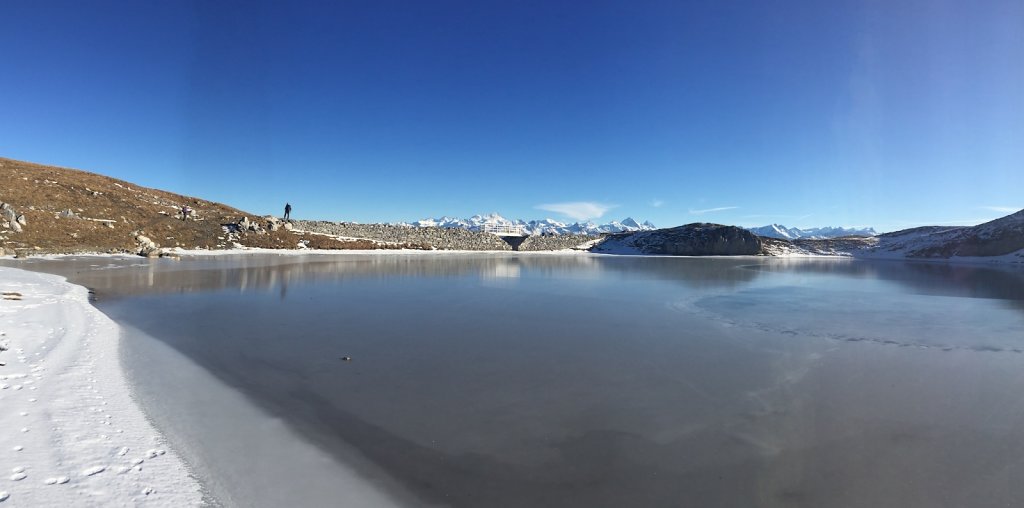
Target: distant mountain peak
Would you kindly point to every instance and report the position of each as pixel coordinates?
(546, 226)
(780, 231)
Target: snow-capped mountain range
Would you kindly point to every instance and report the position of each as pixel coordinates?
(780, 231)
(533, 227)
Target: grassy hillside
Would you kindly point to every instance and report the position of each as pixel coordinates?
(110, 214)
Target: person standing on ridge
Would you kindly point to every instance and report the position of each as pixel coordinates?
(287, 211)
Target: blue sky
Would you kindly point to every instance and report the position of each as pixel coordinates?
(884, 113)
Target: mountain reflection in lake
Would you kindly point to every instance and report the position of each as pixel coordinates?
(579, 380)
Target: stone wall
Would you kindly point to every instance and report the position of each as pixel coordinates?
(439, 238)
(555, 242)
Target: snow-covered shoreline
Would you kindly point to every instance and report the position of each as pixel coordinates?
(70, 432)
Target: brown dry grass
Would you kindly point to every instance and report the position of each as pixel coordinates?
(42, 192)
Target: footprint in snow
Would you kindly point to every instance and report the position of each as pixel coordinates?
(17, 477)
(94, 470)
(3, 496)
(122, 451)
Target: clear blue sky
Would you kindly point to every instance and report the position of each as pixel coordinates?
(882, 113)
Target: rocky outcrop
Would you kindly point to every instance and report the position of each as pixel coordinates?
(698, 239)
(146, 247)
(273, 223)
(268, 224)
(11, 219)
(244, 224)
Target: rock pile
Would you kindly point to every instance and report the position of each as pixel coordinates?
(269, 224)
(146, 247)
(555, 242)
(437, 238)
(11, 219)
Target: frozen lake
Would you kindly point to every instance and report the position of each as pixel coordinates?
(577, 380)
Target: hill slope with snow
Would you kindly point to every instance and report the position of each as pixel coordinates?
(1000, 240)
(1000, 237)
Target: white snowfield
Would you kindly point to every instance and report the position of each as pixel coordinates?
(70, 433)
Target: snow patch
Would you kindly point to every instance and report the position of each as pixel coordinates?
(61, 426)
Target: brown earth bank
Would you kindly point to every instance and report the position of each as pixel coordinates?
(53, 210)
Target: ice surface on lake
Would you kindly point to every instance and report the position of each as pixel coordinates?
(482, 380)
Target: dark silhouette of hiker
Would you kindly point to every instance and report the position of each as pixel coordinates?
(287, 211)
(185, 212)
